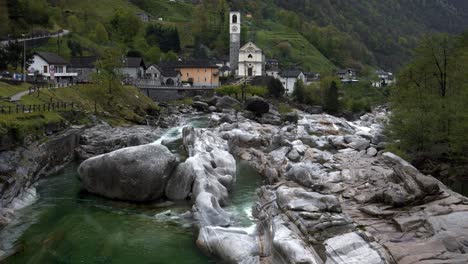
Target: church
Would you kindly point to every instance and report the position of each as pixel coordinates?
(248, 60)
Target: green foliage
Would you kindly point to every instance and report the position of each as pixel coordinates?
(362, 97)
(430, 113)
(299, 91)
(284, 108)
(275, 88)
(100, 33)
(257, 90)
(166, 38)
(229, 90)
(108, 69)
(75, 24)
(126, 25)
(331, 100)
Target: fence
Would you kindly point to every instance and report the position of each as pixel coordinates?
(46, 107)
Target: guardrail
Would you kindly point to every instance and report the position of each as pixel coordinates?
(35, 108)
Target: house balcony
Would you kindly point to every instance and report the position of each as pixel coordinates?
(62, 74)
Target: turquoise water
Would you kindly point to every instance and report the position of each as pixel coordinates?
(68, 225)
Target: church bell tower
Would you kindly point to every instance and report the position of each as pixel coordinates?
(234, 43)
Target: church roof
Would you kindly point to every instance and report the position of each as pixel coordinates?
(250, 45)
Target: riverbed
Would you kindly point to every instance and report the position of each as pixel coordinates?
(68, 225)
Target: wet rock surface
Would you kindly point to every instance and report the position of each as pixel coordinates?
(332, 196)
(132, 174)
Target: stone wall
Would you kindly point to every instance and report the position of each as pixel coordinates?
(21, 167)
(164, 95)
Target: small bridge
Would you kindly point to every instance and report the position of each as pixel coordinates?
(162, 93)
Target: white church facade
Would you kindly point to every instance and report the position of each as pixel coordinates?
(248, 60)
(251, 61)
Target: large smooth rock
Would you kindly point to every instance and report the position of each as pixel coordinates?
(179, 185)
(290, 248)
(257, 105)
(208, 212)
(200, 106)
(227, 102)
(133, 174)
(232, 245)
(351, 248)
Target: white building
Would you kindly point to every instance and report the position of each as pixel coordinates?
(385, 79)
(52, 67)
(251, 60)
(289, 78)
(133, 68)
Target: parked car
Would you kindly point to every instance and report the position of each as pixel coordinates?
(186, 85)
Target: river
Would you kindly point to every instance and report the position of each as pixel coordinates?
(69, 225)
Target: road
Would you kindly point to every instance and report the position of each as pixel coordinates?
(63, 33)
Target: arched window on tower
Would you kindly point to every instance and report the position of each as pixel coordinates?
(234, 19)
(250, 56)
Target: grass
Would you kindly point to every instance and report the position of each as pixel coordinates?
(301, 51)
(284, 108)
(123, 105)
(20, 126)
(7, 90)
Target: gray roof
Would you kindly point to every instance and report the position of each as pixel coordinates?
(290, 73)
(133, 62)
(83, 62)
(51, 58)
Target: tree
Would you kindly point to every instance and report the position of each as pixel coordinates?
(332, 103)
(429, 106)
(166, 38)
(108, 69)
(75, 24)
(275, 88)
(125, 24)
(75, 47)
(100, 33)
(4, 19)
(299, 91)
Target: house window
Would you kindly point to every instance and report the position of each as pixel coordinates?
(205, 69)
(234, 19)
(187, 74)
(198, 70)
(59, 69)
(205, 79)
(45, 69)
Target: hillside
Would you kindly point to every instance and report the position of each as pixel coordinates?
(317, 35)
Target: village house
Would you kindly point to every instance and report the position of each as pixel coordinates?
(384, 79)
(289, 78)
(311, 77)
(51, 67)
(133, 68)
(251, 61)
(85, 66)
(165, 74)
(347, 75)
(198, 73)
(272, 68)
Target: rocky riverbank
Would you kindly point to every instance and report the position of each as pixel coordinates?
(335, 196)
(21, 167)
(331, 193)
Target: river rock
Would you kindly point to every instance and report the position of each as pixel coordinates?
(290, 248)
(208, 212)
(233, 245)
(227, 102)
(351, 248)
(133, 174)
(257, 105)
(180, 183)
(200, 106)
